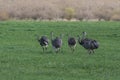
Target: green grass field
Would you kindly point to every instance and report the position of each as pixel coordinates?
(21, 57)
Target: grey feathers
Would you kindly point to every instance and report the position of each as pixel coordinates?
(88, 44)
(56, 43)
(43, 42)
(72, 43)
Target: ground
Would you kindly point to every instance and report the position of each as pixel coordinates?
(21, 57)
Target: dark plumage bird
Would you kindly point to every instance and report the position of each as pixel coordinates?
(72, 43)
(88, 44)
(43, 42)
(56, 43)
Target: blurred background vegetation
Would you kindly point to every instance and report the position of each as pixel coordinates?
(60, 9)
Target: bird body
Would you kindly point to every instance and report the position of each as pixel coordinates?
(72, 43)
(43, 42)
(88, 44)
(56, 43)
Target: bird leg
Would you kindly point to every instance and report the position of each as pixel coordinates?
(54, 49)
(89, 51)
(58, 49)
(43, 49)
(93, 51)
(72, 48)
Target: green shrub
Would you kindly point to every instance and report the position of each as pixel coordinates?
(69, 13)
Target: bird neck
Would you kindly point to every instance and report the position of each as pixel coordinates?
(51, 36)
(83, 36)
(79, 38)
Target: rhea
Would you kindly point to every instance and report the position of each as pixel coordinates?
(56, 42)
(43, 40)
(87, 43)
(71, 43)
